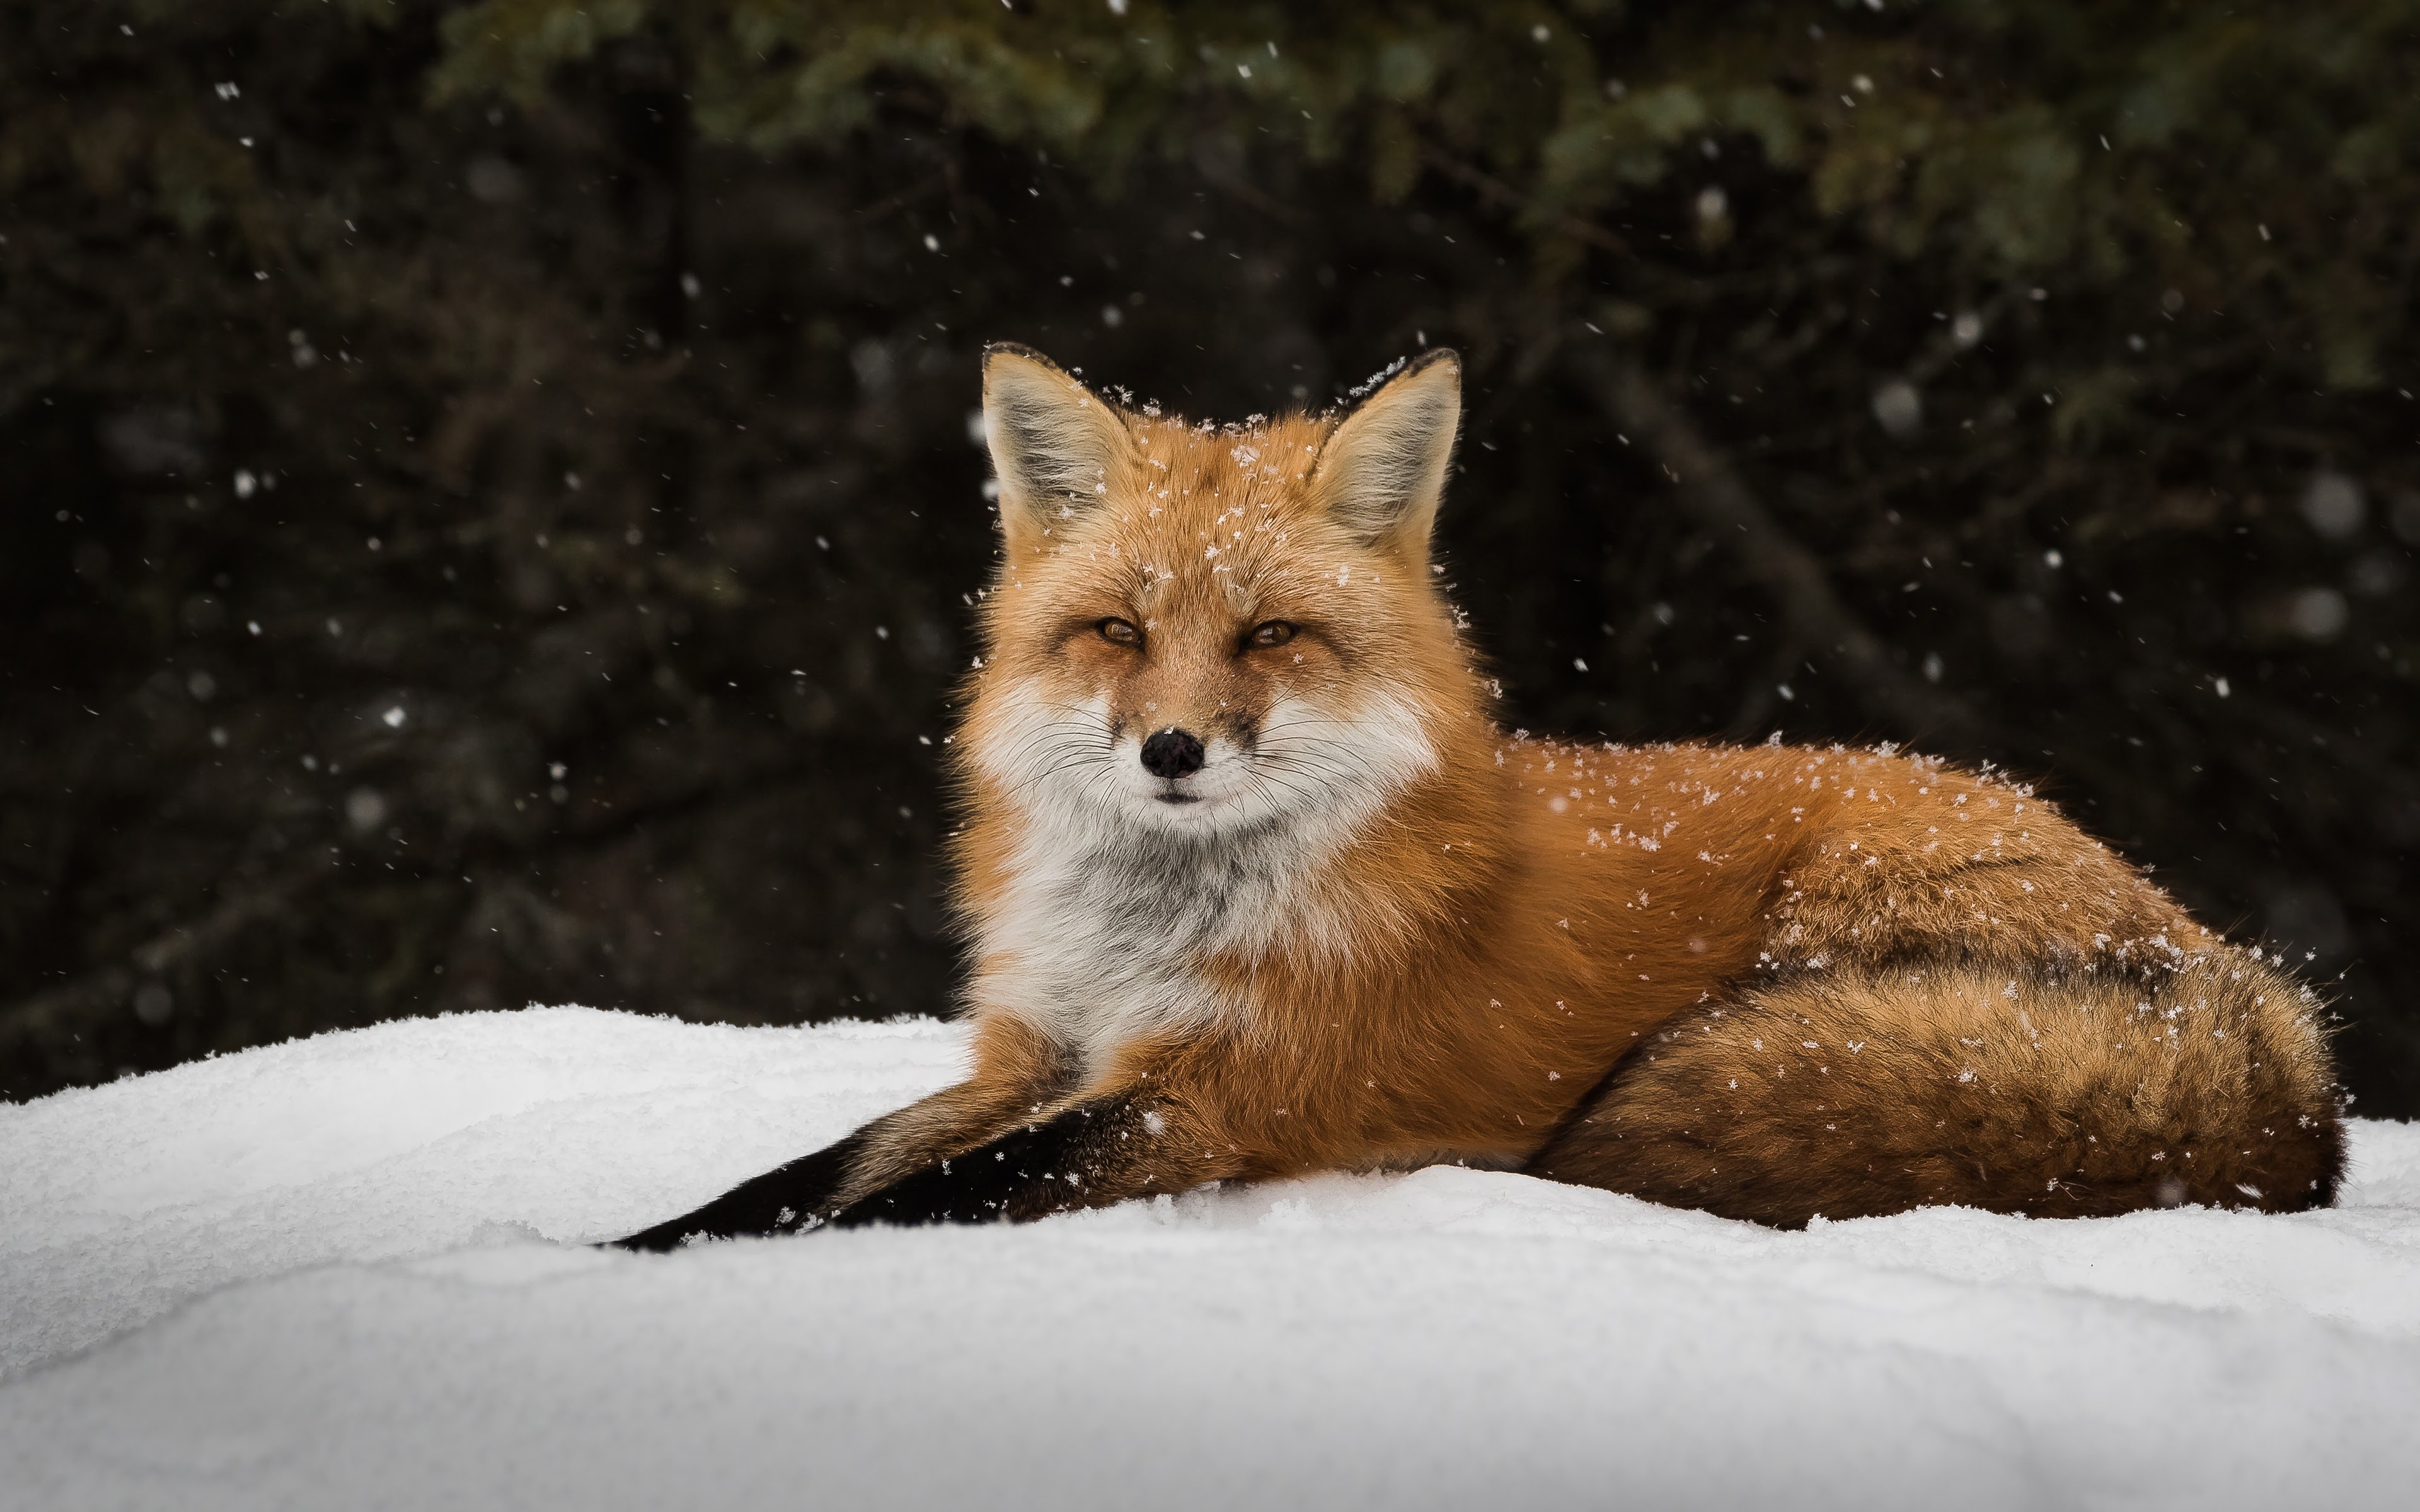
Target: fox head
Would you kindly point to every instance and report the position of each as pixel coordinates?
(1203, 631)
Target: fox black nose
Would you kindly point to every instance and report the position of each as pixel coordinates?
(1172, 753)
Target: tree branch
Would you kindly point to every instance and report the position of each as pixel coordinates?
(46, 1014)
(1723, 503)
(1496, 191)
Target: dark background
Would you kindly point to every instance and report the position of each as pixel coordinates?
(486, 502)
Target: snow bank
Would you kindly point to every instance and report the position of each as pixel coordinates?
(340, 1272)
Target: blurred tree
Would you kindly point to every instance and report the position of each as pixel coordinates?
(489, 482)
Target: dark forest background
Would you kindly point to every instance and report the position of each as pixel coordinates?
(488, 500)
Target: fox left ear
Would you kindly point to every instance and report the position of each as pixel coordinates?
(1382, 474)
(1058, 447)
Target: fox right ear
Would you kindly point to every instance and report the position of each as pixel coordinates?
(1383, 471)
(1056, 446)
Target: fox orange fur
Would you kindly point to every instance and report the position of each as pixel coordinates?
(1257, 887)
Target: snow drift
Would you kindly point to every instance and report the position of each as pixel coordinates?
(347, 1272)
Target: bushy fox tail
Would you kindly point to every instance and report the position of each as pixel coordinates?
(2061, 1093)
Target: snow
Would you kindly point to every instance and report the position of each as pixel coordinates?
(348, 1271)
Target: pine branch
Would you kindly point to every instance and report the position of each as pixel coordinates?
(50, 1014)
(1722, 502)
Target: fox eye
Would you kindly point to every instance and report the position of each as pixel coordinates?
(1271, 633)
(1119, 632)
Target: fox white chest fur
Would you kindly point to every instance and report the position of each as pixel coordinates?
(1117, 889)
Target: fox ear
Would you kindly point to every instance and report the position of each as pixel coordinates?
(1055, 444)
(1383, 471)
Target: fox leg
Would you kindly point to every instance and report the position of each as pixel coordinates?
(1854, 1093)
(1098, 1152)
(780, 1200)
(1017, 1074)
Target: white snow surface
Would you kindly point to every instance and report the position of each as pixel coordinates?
(351, 1272)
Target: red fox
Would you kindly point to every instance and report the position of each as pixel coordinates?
(1256, 886)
